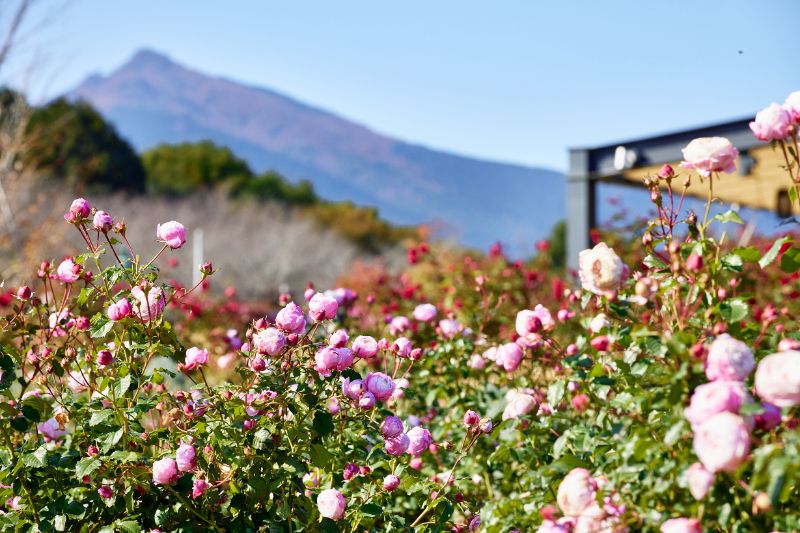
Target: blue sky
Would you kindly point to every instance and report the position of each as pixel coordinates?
(514, 80)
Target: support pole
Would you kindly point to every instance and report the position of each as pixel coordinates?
(580, 205)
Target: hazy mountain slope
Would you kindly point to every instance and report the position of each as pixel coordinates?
(152, 100)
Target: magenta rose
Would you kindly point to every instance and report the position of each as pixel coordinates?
(291, 319)
(171, 233)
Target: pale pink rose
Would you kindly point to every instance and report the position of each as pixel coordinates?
(331, 504)
(399, 324)
(729, 359)
(119, 310)
(365, 347)
(391, 482)
(380, 385)
(322, 307)
(509, 356)
(792, 105)
(772, 123)
(50, 430)
(102, 222)
(424, 312)
(338, 339)
(419, 440)
(195, 357)
(681, 525)
(700, 480)
(402, 347)
(778, 378)
(400, 386)
(722, 442)
(519, 405)
(165, 471)
(397, 445)
(171, 233)
(329, 359)
(601, 270)
(291, 319)
(548, 526)
(68, 271)
(576, 493)
(476, 362)
(185, 458)
(716, 397)
(77, 382)
(149, 307)
(269, 341)
(449, 328)
(710, 154)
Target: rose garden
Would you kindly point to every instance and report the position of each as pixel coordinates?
(657, 390)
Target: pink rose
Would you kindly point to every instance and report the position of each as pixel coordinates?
(681, 525)
(601, 270)
(391, 482)
(476, 362)
(450, 328)
(352, 389)
(291, 319)
(365, 347)
(710, 154)
(195, 357)
(402, 347)
(50, 430)
(424, 312)
(322, 307)
(119, 310)
(149, 307)
(398, 325)
(576, 493)
(770, 418)
(729, 359)
(366, 401)
(722, 442)
(199, 486)
(548, 526)
(397, 445)
(68, 271)
(102, 222)
(778, 378)
(186, 458)
(269, 341)
(380, 385)
(80, 209)
(171, 233)
(772, 123)
(519, 405)
(329, 359)
(792, 105)
(331, 504)
(700, 481)
(509, 356)
(338, 338)
(165, 471)
(391, 427)
(419, 440)
(713, 398)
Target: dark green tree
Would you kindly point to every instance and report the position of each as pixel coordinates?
(74, 143)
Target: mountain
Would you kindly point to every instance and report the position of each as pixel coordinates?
(152, 100)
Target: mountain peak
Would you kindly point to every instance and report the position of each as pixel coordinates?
(152, 100)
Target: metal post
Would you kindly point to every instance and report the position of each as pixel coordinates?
(580, 205)
(197, 255)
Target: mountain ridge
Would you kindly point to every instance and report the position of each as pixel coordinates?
(151, 99)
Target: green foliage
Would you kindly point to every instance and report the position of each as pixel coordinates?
(72, 142)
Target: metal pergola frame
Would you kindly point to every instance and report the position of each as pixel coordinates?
(588, 166)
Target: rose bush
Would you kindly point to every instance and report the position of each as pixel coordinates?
(655, 390)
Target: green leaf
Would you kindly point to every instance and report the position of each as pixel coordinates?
(31, 413)
(729, 216)
(130, 526)
(36, 459)
(109, 440)
(733, 262)
(100, 326)
(749, 254)
(320, 456)
(98, 417)
(7, 367)
(262, 439)
(790, 260)
(733, 310)
(654, 262)
(86, 466)
(772, 253)
(323, 422)
(371, 509)
(555, 393)
(122, 386)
